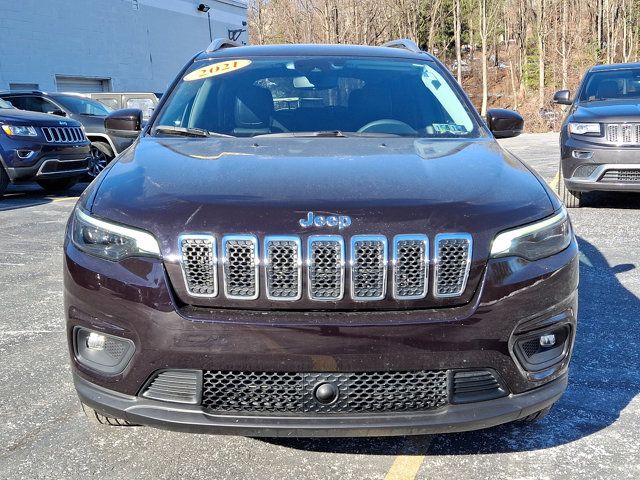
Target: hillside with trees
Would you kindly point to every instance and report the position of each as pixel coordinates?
(510, 54)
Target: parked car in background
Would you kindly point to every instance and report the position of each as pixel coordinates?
(600, 136)
(364, 260)
(52, 151)
(90, 113)
(146, 102)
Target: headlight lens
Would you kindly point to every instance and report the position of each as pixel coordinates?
(111, 241)
(535, 241)
(584, 128)
(19, 131)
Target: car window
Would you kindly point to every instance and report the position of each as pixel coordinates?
(83, 106)
(109, 102)
(5, 104)
(373, 96)
(144, 104)
(34, 104)
(612, 84)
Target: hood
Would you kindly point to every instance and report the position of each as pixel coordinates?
(171, 186)
(25, 117)
(607, 111)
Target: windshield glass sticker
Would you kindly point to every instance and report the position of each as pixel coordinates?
(216, 69)
(449, 128)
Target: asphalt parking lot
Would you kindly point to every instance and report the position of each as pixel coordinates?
(593, 432)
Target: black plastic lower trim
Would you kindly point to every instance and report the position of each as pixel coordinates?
(192, 418)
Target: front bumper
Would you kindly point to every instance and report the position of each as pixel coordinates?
(452, 418)
(132, 299)
(601, 167)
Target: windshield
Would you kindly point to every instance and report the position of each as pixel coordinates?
(282, 96)
(4, 104)
(83, 106)
(612, 84)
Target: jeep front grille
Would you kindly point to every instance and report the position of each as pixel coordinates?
(368, 267)
(63, 134)
(240, 265)
(282, 262)
(286, 392)
(452, 263)
(623, 133)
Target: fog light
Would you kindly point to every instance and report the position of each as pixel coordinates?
(101, 351)
(582, 154)
(548, 340)
(96, 341)
(584, 170)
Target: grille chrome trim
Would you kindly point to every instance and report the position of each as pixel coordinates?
(441, 238)
(623, 133)
(63, 134)
(188, 270)
(373, 242)
(311, 268)
(268, 265)
(397, 269)
(251, 274)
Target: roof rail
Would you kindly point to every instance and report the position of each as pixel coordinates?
(403, 43)
(220, 43)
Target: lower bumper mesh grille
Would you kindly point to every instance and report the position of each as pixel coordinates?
(235, 391)
(616, 176)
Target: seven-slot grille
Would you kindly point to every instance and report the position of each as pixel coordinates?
(63, 134)
(623, 133)
(283, 263)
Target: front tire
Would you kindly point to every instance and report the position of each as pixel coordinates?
(58, 185)
(539, 415)
(4, 181)
(570, 198)
(101, 155)
(99, 419)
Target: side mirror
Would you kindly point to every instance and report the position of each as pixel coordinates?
(59, 113)
(124, 123)
(562, 97)
(504, 123)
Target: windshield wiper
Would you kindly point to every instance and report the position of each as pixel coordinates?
(188, 132)
(319, 133)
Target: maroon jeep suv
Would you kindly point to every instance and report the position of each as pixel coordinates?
(318, 240)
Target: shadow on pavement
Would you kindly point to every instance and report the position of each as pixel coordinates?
(621, 200)
(23, 196)
(604, 377)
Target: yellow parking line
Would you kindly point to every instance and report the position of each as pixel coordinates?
(554, 183)
(63, 199)
(405, 467)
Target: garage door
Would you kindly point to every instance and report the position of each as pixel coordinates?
(82, 84)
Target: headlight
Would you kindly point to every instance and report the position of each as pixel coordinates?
(109, 240)
(584, 128)
(19, 131)
(535, 241)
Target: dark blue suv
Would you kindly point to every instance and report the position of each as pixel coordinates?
(38, 147)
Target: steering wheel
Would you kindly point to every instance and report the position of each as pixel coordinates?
(388, 125)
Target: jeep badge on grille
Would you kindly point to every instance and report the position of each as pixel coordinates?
(340, 221)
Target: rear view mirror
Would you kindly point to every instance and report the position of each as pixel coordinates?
(124, 123)
(504, 123)
(562, 97)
